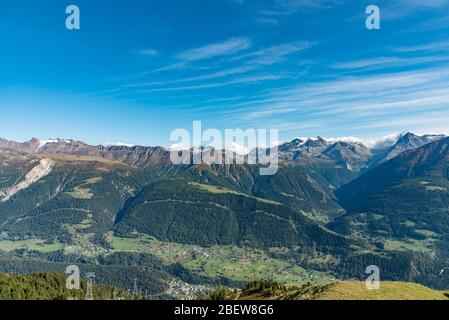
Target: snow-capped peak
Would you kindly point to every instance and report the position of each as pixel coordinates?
(347, 140)
(43, 143)
(119, 144)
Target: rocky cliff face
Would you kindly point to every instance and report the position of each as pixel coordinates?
(30, 146)
(138, 156)
(42, 169)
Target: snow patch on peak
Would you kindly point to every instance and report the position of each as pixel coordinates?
(43, 143)
(177, 147)
(119, 144)
(237, 148)
(303, 140)
(347, 140)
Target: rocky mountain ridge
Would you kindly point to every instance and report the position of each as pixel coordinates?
(353, 154)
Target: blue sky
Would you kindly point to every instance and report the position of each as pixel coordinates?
(139, 69)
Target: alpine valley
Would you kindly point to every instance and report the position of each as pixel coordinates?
(334, 207)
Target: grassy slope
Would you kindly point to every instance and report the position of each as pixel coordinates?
(352, 290)
(387, 291)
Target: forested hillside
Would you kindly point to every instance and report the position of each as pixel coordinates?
(186, 212)
(50, 286)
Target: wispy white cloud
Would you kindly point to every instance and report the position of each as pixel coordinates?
(171, 67)
(274, 54)
(430, 122)
(396, 9)
(149, 52)
(425, 47)
(242, 80)
(381, 103)
(388, 62)
(278, 110)
(228, 47)
(430, 25)
(218, 74)
(246, 63)
(270, 21)
(223, 99)
(205, 76)
(365, 63)
(289, 7)
(421, 3)
(297, 4)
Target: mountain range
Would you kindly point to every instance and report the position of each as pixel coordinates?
(334, 206)
(354, 154)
